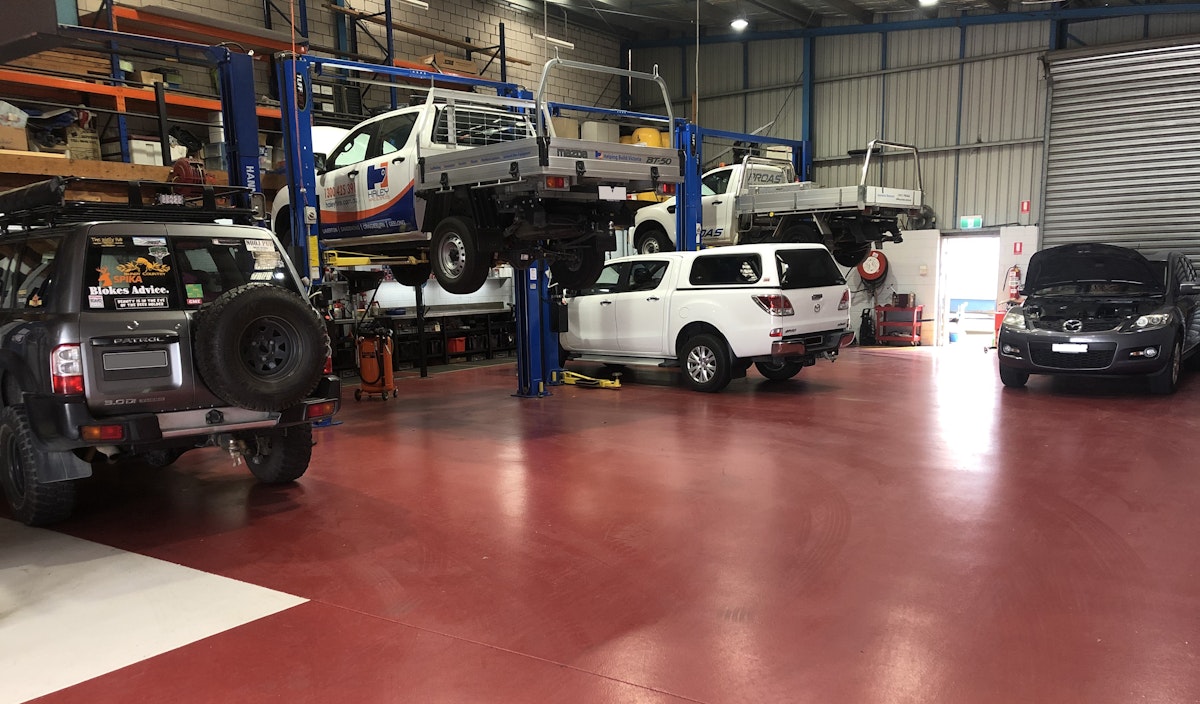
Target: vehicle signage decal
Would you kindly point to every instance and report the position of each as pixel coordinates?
(267, 260)
(195, 301)
(377, 181)
(340, 195)
(261, 276)
(260, 246)
(147, 302)
(95, 300)
(395, 214)
(193, 291)
(760, 177)
(150, 242)
(108, 241)
(226, 242)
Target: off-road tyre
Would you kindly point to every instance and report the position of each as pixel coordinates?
(260, 346)
(279, 455)
(455, 256)
(22, 460)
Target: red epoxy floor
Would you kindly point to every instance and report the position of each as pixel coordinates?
(890, 528)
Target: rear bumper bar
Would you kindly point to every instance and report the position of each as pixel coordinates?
(812, 344)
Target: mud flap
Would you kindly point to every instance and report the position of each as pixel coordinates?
(63, 466)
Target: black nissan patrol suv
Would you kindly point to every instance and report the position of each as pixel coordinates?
(129, 330)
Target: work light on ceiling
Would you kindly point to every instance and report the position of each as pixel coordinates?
(739, 23)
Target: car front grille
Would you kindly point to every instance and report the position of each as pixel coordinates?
(1043, 355)
(1094, 325)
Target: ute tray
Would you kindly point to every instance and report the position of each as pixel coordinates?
(72, 199)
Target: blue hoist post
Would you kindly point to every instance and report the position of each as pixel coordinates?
(689, 217)
(295, 100)
(537, 346)
(235, 73)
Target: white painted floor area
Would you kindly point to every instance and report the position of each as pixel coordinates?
(71, 610)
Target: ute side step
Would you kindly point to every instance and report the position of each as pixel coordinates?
(618, 359)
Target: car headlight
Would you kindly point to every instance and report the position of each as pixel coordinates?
(1154, 320)
(1015, 318)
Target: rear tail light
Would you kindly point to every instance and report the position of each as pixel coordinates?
(102, 433)
(667, 189)
(845, 303)
(775, 304)
(556, 182)
(66, 370)
(320, 410)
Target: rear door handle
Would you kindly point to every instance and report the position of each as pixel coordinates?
(397, 160)
(652, 298)
(606, 303)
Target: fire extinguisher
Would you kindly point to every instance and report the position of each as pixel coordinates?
(1014, 282)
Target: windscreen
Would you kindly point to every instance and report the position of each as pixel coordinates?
(807, 268)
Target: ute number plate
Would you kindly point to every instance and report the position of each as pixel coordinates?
(1069, 347)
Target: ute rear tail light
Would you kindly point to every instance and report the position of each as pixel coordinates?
(320, 410)
(775, 304)
(667, 189)
(559, 182)
(845, 302)
(66, 370)
(102, 433)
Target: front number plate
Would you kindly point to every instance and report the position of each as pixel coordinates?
(1069, 347)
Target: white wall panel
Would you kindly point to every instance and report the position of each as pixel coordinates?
(846, 55)
(776, 63)
(993, 182)
(670, 67)
(920, 47)
(988, 39)
(1108, 31)
(1174, 25)
(721, 68)
(780, 106)
(723, 114)
(921, 107)
(847, 114)
(1003, 99)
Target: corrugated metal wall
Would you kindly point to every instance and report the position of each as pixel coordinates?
(972, 99)
(1124, 135)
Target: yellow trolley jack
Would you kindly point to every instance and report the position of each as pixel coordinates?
(575, 379)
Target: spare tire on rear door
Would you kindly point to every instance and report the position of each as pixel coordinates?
(259, 346)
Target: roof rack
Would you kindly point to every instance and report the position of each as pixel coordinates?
(71, 199)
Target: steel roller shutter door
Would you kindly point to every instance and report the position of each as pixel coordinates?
(1123, 155)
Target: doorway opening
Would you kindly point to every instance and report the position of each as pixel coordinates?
(967, 304)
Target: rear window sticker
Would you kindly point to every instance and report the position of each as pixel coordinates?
(262, 276)
(95, 300)
(227, 243)
(35, 301)
(260, 245)
(133, 272)
(147, 302)
(150, 241)
(193, 291)
(267, 260)
(159, 253)
(195, 301)
(108, 241)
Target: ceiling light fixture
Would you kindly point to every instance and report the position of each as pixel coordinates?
(927, 3)
(739, 23)
(556, 42)
(419, 3)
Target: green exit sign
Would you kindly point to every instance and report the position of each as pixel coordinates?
(970, 222)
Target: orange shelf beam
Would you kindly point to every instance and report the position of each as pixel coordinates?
(121, 94)
(144, 21)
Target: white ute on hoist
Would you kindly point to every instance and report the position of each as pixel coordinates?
(761, 200)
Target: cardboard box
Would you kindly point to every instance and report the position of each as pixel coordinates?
(445, 63)
(149, 77)
(13, 138)
(82, 143)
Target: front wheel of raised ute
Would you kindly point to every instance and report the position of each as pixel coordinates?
(279, 455)
(455, 257)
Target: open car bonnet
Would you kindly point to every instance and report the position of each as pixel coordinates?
(1090, 262)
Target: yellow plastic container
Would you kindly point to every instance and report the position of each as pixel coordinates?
(626, 139)
(646, 135)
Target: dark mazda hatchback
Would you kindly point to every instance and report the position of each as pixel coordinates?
(1102, 309)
